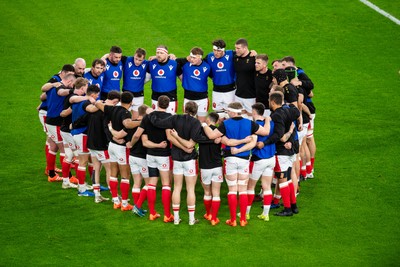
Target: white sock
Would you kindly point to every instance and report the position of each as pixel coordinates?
(115, 200)
(65, 180)
(124, 202)
(266, 209)
(248, 209)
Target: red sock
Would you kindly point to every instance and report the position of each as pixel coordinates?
(166, 200)
(62, 156)
(232, 203)
(135, 195)
(285, 193)
(66, 166)
(124, 187)
(303, 171)
(207, 200)
(276, 200)
(142, 197)
(267, 198)
(90, 168)
(51, 160)
(250, 197)
(46, 149)
(243, 205)
(216, 202)
(114, 187)
(292, 193)
(312, 163)
(308, 168)
(81, 175)
(151, 198)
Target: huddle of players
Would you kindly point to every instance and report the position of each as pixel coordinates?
(251, 73)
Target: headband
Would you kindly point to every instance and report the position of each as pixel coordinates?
(218, 48)
(234, 110)
(162, 50)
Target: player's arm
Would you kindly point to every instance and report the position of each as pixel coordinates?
(63, 92)
(66, 112)
(186, 143)
(77, 99)
(212, 134)
(136, 136)
(306, 110)
(91, 108)
(235, 142)
(149, 144)
(47, 86)
(43, 97)
(176, 143)
(130, 124)
(100, 105)
(246, 147)
(288, 134)
(279, 131)
(104, 58)
(263, 130)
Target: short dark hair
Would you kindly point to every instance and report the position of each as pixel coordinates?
(259, 108)
(242, 42)
(68, 68)
(92, 89)
(163, 101)
(219, 43)
(126, 97)
(276, 60)
(98, 61)
(213, 116)
(140, 52)
(191, 108)
(277, 98)
(289, 59)
(277, 88)
(142, 109)
(114, 94)
(197, 51)
(115, 49)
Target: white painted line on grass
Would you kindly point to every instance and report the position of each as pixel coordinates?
(380, 11)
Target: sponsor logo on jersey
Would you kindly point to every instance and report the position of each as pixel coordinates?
(196, 72)
(160, 72)
(136, 73)
(115, 74)
(220, 65)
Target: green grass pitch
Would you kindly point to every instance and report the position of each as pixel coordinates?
(348, 214)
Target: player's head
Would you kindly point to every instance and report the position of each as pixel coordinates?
(196, 55)
(219, 48)
(213, 118)
(162, 53)
(261, 62)
(258, 109)
(67, 69)
(291, 72)
(276, 88)
(140, 55)
(275, 100)
(191, 108)
(279, 76)
(79, 66)
(80, 83)
(97, 67)
(276, 64)
(234, 109)
(241, 47)
(163, 101)
(114, 97)
(126, 98)
(142, 109)
(288, 61)
(93, 91)
(69, 80)
(115, 54)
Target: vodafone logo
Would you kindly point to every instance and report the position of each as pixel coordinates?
(196, 73)
(115, 74)
(214, 105)
(191, 171)
(220, 65)
(160, 72)
(136, 73)
(144, 169)
(164, 165)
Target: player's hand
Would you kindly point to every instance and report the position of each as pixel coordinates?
(151, 58)
(253, 53)
(300, 128)
(288, 145)
(172, 56)
(296, 82)
(188, 150)
(57, 84)
(173, 133)
(259, 145)
(234, 150)
(129, 144)
(92, 100)
(217, 140)
(163, 144)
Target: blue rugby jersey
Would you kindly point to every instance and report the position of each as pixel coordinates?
(112, 77)
(134, 76)
(222, 69)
